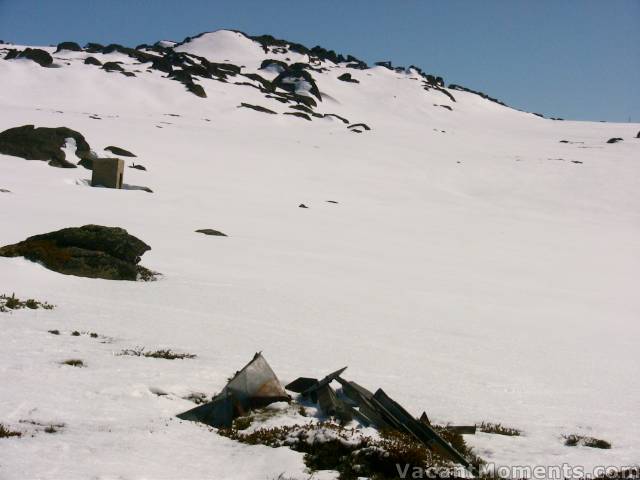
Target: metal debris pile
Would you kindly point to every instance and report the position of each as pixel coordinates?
(256, 385)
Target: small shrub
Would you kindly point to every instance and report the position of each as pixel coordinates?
(328, 446)
(74, 362)
(50, 429)
(167, 354)
(242, 423)
(498, 429)
(5, 432)
(14, 303)
(575, 440)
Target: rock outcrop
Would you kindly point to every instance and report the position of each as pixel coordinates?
(43, 143)
(92, 251)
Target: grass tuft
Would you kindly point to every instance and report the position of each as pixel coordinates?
(74, 362)
(574, 440)
(328, 446)
(498, 429)
(10, 303)
(5, 432)
(167, 354)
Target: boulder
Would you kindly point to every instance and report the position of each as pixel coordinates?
(91, 251)
(92, 61)
(71, 46)
(41, 57)
(42, 143)
(346, 77)
(112, 67)
(614, 140)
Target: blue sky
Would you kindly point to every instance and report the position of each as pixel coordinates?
(577, 59)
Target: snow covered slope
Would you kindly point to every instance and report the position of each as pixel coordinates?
(474, 266)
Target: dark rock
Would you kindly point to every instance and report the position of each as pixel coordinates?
(445, 106)
(71, 46)
(4, 190)
(303, 108)
(360, 125)
(331, 201)
(210, 231)
(138, 167)
(334, 115)
(119, 151)
(257, 108)
(197, 90)
(638, 135)
(92, 251)
(129, 74)
(614, 140)
(296, 73)
(386, 64)
(276, 65)
(92, 61)
(93, 47)
(41, 57)
(112, 67)
(453, 86)
(42, 143)
(346, 77)
(299, 114)
(302, 205)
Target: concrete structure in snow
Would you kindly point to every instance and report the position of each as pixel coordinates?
(107, 172)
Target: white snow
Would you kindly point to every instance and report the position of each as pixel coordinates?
(468, 272)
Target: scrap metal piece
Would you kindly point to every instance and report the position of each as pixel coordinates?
(461, 429)
(403, 421)
(219, 412)
(361, 397)
(254, 386)
(325, 381)
(301, 384)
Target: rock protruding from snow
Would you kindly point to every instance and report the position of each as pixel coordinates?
(43, 143)
(42, 58)
(92, 251)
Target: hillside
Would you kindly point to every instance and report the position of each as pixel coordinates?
(479, 262)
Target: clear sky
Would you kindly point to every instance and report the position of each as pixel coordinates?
(576, 59)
